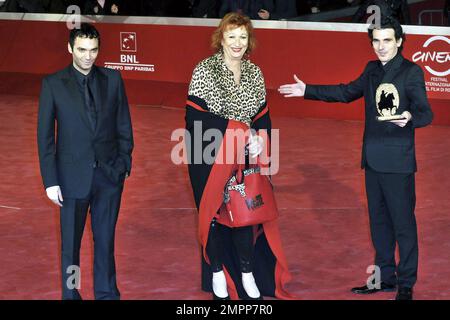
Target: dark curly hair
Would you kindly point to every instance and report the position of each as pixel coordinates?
(86, 30)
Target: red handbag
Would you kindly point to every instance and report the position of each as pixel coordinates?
(248, 199)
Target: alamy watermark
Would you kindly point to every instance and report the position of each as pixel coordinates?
(213, 146)
(374, 20)
(374, 280)
(74, 17)
(74, 280)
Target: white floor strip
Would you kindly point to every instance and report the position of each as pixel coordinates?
(6, 207)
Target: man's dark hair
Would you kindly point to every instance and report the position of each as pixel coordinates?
(86, 30)
(390, 23)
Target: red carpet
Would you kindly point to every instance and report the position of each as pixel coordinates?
(319, 188)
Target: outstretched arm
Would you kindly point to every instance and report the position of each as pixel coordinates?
(329, 93)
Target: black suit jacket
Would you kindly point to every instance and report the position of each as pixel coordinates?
(68, 159)
(386, 147)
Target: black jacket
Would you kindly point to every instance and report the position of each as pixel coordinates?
(68, 159)
(386, 147)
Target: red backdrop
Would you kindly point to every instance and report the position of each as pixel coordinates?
(162, 58)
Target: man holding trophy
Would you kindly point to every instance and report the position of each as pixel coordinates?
(395, 104)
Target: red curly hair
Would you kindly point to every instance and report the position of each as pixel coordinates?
(230, 21)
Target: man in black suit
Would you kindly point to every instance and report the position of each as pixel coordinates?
(388, 154)
(84, 166)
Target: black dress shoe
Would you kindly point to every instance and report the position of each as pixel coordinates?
(384, 287)
(404, 294)
(219, 298)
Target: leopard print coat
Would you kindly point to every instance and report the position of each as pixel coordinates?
(213, 82)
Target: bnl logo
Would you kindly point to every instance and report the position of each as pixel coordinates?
(128, 43)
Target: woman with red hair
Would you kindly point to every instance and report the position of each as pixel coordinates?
(227, 93)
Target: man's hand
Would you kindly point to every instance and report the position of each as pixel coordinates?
(54, 194)
(255, 146)
(402, 122)
(264, 14)
(294, 89)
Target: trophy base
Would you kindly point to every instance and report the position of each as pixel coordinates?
(389, 118)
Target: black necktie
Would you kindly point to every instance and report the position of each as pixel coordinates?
(90, 103)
